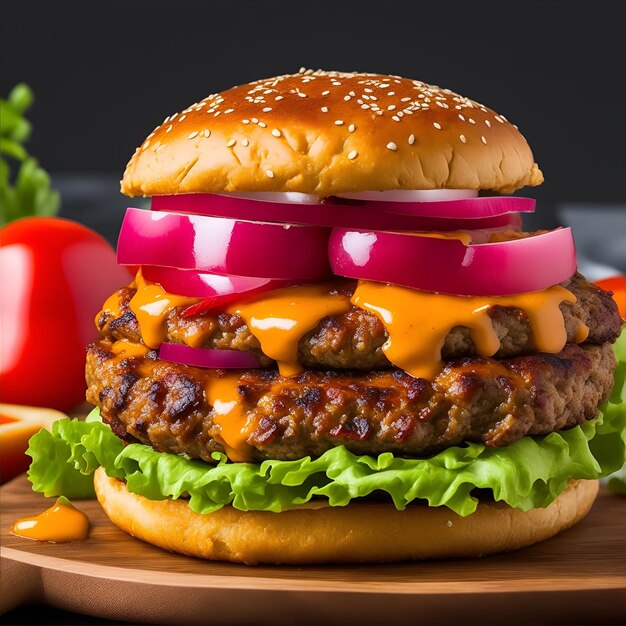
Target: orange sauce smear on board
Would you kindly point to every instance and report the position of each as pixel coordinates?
(418, 322)
(58, 524)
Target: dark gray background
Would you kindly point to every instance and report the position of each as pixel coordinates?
(105, 73)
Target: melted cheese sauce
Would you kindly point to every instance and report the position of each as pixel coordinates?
(111, 306)
(228, 413)
(58, 524)
(151, 305)
(418, 322)
(281, 318)
(127, 349)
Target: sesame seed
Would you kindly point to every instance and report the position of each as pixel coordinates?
(391, 107)
(228, 111)
(483, 139)
(266, 109)
(462, 138)
(392, 146)
(262, 124)
(324, 109)
(245, 143)
(437, 125)
(145, 145)
(353, 154)
(346, 98)
(470, 120)
(411, 139)
(391, 93)
(245, 121)
(269, 173)
(206, 132)
(279, 97)
(167, 130)
(325, 93)
(231, 143)
(488, 123)
(302, 95)
(461, 117)
(395, 118)
(192, 135)
(352, 128)
(338, 122)
(254, 120)
(276, 132)
(181, 118)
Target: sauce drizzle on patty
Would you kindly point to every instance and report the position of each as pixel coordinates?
(418, 322)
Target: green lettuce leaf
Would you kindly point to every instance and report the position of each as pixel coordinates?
(528, 473)
(617, 481)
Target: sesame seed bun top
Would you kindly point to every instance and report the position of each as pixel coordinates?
(330, 132)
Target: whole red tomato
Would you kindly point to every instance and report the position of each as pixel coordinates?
(55, 276)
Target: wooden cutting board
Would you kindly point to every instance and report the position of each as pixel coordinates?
(577, 577)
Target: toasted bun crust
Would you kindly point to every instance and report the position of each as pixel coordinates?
(360, 532)
(330, 132)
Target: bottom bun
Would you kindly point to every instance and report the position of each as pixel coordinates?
(362, 532)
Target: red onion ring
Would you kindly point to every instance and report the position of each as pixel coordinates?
(223, 246)
(448, 266)
(466, 208)
(208, 357)
(346, 213)
(205, 285)
(216, 290)
(411, 195)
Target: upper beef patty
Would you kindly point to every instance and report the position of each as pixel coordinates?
(473, 399)
(354, 340)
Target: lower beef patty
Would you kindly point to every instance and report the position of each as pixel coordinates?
(482, 400)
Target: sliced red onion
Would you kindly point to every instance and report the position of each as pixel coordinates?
(223, 246)
(206, 285)
(464, 208)
(448, 266)
(347, 213)
(208, 357)
(411, 195)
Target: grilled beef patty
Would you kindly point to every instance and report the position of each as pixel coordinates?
(473, 399)
(353, 340)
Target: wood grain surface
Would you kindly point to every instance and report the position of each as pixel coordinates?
(578, 577)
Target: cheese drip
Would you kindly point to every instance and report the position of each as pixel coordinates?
(151, 305)
(281, 318)
(228, 413)
(127, 350)
(418, 322)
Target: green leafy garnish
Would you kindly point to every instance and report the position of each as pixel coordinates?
(28, 192)
(617, 481)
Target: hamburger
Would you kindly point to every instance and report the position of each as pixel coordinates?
(340, 344)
